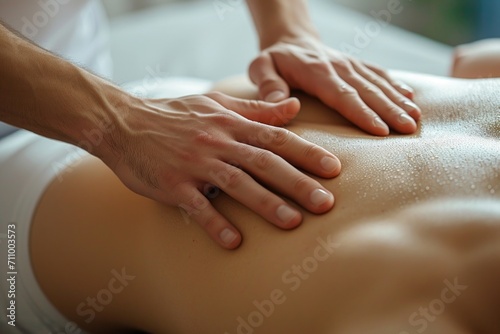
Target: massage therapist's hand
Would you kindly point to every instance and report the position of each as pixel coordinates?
(173, 150)
(362, 93)
(170, 149)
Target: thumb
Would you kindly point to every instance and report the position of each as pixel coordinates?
(276, 114)
(262, 72)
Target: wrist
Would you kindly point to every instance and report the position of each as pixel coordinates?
(89, 112)
(102, 131)
(288, 34)
(278, 20)
(54, 98)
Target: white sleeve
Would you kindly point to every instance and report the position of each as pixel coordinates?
(76, 30)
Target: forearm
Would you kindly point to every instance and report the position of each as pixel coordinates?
(49, 96)
(278, 19)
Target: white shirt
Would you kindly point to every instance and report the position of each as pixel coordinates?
(73, 29)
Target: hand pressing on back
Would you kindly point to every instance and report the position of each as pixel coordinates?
(175, 150)
(363, 93)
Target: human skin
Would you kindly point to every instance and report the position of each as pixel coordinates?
(414, 216)
(293, 57)
(154, 145)
(479, 59)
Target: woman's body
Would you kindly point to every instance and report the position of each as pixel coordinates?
(141, 139)
(480, 59)
(414, 215)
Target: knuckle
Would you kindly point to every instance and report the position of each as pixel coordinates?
(256, 69)
(188, 157)
(255, 104)
(267, 84)
(264, 159)
(235, 178)
(257, 62)
(347, 92)
(204, 139)
(312, 151)
(245, 151)
(266, 201)
(210, 222)
(265, 136)
(319, 66)
(372, 89)
(179, 104)
(342, 66)
(224, 119)
(281, 137)
(197, 203)
(301, 183)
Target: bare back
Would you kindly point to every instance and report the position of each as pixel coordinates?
(414, 216)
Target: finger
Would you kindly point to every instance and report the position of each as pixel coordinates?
(409, 106)
(273, 171)
(292, 148)
(337, 94)
(276, 114)
(199, 209)
(394, 95)
(392, 114)
(262, 72)
(240, 186)
(397, 84)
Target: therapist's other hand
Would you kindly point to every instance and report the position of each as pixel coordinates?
(364, 94)
(177, 150)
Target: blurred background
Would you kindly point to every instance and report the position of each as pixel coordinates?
(168, 37)
(448, 21)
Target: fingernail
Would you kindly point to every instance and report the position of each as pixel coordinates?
(275, 96)
(379, 123)
(319, 197)
(286, 214)
(406, 88)
(329, 164)
(411, 105)
(405, 119)
(227, 236)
